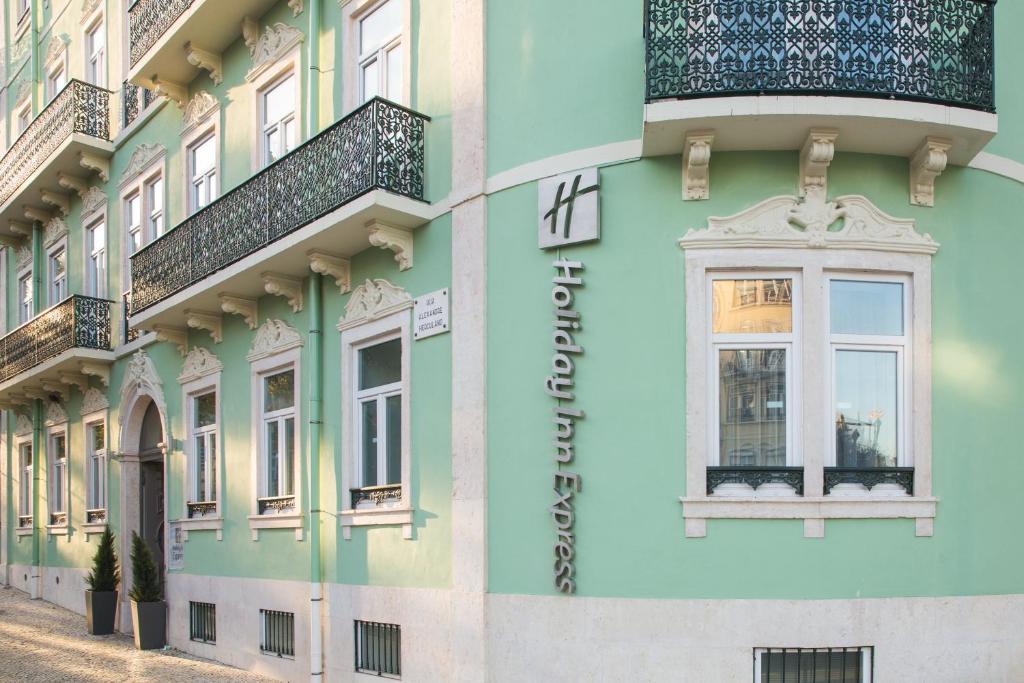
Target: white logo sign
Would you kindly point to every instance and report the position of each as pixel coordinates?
(568, 209)
(430, 314)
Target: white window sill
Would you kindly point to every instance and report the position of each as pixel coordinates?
(814, 511)
(93, 528)
(58, 529)
(201, 524)
(24, 531)
(378, 516)
(276, 521)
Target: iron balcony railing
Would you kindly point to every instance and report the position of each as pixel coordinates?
(134, 100)
(78, 108)
(390, 494)
(148, 20)
(754, 476)
(81, 322)
(940, 52)
(378, 146)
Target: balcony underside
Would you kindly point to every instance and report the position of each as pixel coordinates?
(210, 25)
(67, 160)
(342, 233)
(866, 125)
(41, 379)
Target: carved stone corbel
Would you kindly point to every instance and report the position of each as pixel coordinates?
(57, 200)
(296, 6)
(175, 92)
(34, 213)
(77, 379)
(335, 266)
(398, 240)
(72, 182)
(815, 157)
(18, 399)
(37, 393)
(204, 59)
(19, 228)
(283, 285)
(250, 33)
(240, 305)
(203, 320)
(95, 163)
(173, 335)
(101, 372)
(697, 165)
(925, 166)
(56, 388)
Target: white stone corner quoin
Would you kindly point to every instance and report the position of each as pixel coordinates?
(697, 165)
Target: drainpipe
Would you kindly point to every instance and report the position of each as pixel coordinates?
(313, 99)
(33, 51)
(315, 364)
(36, 579)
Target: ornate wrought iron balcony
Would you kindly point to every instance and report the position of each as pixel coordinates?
(870, 477)
(148, 20)
(80, 113)
(78, 322)
(939, 52)
(379, 146)
(390, 494)
(754, 476)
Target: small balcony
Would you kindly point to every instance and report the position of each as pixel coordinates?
(58, 348)
(758, 75)
(66, 143)
(169, 39)
(355, 185)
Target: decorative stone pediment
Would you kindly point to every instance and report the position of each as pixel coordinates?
(23, 425)
(273, 336)
(23, 257)
(143, 156)
(199, 362)
(94, 401)
(95, 199)
(140, 377)
(372, 300)
(847, 222)
(55, 414)
(23, 90)
(267, 47)
(198, 108)
(88, 7)
(55, 229)
(54, 48)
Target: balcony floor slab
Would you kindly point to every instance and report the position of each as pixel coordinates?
(49, 371)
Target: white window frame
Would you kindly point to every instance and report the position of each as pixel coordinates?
(94, 285)
(379, 395)
(56, 293)
(95, 493)
(53, 464)
(379, 55)
(23, 275)
(267, 126)
(209, 435)
(814, 432)
(138, 184)
(352, 14)
(396, 325)
(96, 60)
(58, 66)
(194, 384)
(26, 505)
(193, 180)
(22, 112)
(194, 135)
(22, 17)
(289, 65)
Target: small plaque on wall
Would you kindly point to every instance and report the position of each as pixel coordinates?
(430, 314)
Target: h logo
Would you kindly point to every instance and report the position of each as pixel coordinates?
(569, 209)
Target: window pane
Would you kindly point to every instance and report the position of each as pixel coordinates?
(212, 455)
(200, 445)
(381, 364)
(273, 441)
(752, 306)
(866, 307)
(380, 26)
(279, 101)
(394, 427)
(279, 391)
(371, 77)
(866, 399)
(204, 157)
(752, 407)
(206, 410)
(394, 84)
(288, 463)
(369, 445)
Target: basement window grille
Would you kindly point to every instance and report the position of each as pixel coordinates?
(277, 633)
(378, 648)
(202, 622)
(813, 665)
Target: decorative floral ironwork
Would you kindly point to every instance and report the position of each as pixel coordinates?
(870, 477)
(148, 20)
(378, 146)
(755, 476)
(79, 108)
(24, 521)
(77, 322)
(277, 505)
(58, 519)
(134, 100)
(378, 495)
(902, 49)
(203, 509)
(95, 516)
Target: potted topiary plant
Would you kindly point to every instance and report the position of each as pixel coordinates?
(101, 597)
(149, 613)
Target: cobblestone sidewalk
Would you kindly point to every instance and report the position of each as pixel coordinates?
(42, 642)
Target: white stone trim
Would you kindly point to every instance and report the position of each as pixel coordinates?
(373, 300)
(93, 401)
(273, 337)
(998, 165)
(201, 374)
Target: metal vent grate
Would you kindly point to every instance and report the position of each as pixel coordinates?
(277, 633)
(202, 618)
(378, 648)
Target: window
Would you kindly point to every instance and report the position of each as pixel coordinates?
(58, 458)
(25, 485)
(202, 161)
(57, 274)
(378, 648)
(379, 399)
(203, 438)
(155, 207)
(96, 55)
(202, 622)
(381, 53)
(277, 633)
(56, 79)
(143, 216)
(813, 665)
(23, 117)
(133, 221)
(96, 259)
(278, 442)
(280, 127)
(26, 305)
(96, 466)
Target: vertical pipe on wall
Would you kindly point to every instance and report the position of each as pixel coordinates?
(313, 90)
(33, 51)
(314, 305)
(38, 264)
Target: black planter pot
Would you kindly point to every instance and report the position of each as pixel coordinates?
(149, 621)
(100, 609)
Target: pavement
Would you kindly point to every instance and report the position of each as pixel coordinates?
(42, 642)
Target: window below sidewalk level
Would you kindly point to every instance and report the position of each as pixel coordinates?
(277, 633)
(813, 665)
(378, 648)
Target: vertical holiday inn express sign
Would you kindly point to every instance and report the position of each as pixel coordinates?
(568, 213)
